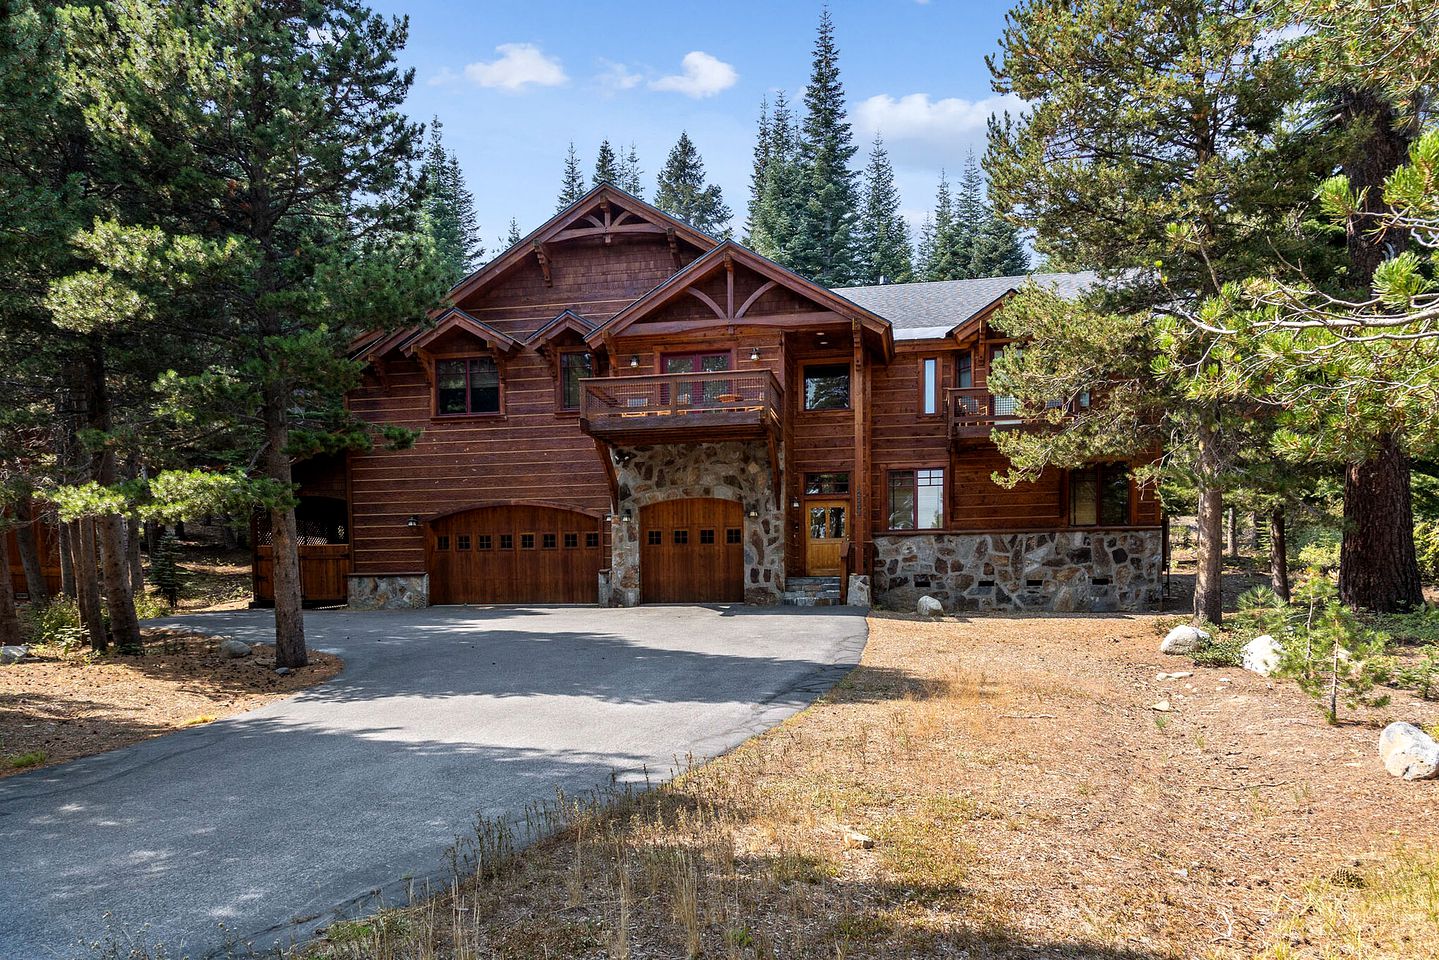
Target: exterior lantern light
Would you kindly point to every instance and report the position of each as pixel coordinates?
(794, 504)
(754, 354)
(634, 360)
(414, 521)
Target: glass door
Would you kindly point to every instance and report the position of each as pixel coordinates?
(826, 528)
(709, 391)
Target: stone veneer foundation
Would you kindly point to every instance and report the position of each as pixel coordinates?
(1093, 570)
(724, 471)
(389, 591)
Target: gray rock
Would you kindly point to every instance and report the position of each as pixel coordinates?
(1184, 639)
(1409, 752)
(282, 671)
(930, 607)
(858, 592)
(9, 654)
(1261, 655)
(234, 649)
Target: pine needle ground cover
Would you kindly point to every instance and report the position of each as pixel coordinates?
(987, 787)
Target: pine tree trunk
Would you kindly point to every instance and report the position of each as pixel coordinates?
(29, 551)
(87, 585)
(1209, 573)
(9, 616)
(1378, 568)
(109, 527)
(1234, 533)
(67, 560)
(1278, 553)
(132, 557)
(289, 614)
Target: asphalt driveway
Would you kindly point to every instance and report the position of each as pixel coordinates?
(254, 830)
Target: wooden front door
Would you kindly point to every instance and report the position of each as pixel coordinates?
(514, 554)
(692, 551)
(826, 529)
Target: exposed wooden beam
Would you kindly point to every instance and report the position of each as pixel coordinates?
(611, 477)
(729, 285)
(674, 246)
(543, 256)
(705, 298)
(763, 288)
(579, 233)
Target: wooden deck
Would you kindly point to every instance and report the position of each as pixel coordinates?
(682, 407)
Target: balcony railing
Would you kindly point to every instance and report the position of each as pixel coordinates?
(974, 412)
(675, 407)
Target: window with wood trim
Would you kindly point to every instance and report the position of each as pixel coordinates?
(916, 499)
(826, 386)
(929, 386)
(964, 370)
(575, 365)
(467, 385)
(821, 484)
(1100, 496)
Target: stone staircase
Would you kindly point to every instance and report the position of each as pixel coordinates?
(811, 592)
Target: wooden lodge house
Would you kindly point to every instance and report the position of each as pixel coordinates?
(620, 409)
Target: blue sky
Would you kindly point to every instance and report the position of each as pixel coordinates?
(514, 83)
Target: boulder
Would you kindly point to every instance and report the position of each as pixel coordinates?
(858, 593)
(1261, 655)
(234, 649)
(9, 654)
(1184, 639)
(930, 607)
(282, 671)
(1409, 752)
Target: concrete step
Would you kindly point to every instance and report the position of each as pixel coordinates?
(811, 591)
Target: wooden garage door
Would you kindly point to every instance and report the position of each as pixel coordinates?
(514, 554)
(692, 551)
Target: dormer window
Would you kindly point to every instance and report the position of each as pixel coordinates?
(470, 385)
(575, 365)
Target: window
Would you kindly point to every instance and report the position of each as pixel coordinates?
(527, 541)
(916, 499)
(572, 540)
(507, 541)
(467, 386)
(1005, 406)
(708, 391)
(707, 536)
(826, 387)
(484, 541)
(682, 537)
(549, 541)
(929, 386)
(733, 535)
(826, 483)
(575, 365)
(964, 371)
(1099, 496)
(442, 542)
(654, 538)
(592, 539)
(462, 542)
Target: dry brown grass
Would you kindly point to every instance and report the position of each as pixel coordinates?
(1023, 801)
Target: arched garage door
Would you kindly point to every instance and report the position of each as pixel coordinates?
(692, 551)
(514, 554)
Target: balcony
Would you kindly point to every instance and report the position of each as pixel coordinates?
(681, 407)
(974, 412)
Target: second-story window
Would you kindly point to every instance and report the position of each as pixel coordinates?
(575, 365)
(929, 386)
(964, 371)
(826, 387)
(470, 385)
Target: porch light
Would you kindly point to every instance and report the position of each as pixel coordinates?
(753, 513)
(626, 517)
(794, 504)
(634, 360)
(414, 521)
(754, 355)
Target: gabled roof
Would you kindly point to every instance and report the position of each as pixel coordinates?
(456, 319)
(566, 320)
(578, 215)
(937, 309)
(731, 251)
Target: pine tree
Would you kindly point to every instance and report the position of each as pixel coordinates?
(971, 215)
(997, 251)
(924, 249)
(942, 262)
(513, 236)
(824, 244)
(884, 252)
(776, 220)
(682, 190)
(572, 186)
(607, 166)
(631, 174)
(449, 208)
(757, 174)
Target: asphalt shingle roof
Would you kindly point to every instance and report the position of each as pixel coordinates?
(921, 311)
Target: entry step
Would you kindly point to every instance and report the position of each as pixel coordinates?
(811, 591)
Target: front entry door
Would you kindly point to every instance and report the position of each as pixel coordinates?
(827, 526)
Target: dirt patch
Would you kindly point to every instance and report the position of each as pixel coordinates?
(986, 787)
(55, 708)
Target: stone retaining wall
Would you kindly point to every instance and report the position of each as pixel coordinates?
(724, 471)
(1089, 570)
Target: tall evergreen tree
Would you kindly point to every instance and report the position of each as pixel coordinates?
(884, 251)
(942, 261)
(924, 249)
(513, 235)
(631, 176)
(757, 171)
(776, 220)
(971, 215)
(682, 190)
(572, 185)
(449, 208)
(996, 250)
(824, 245)
(607, 166)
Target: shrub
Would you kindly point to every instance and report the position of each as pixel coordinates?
(19, 761)
(148, 606)
(1426, 546)
(165, 570)
(1331, 655)
(1222, 651)
(1422, 677)
(56, 624)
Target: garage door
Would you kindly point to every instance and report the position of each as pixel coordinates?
(514, 554)
(692, 551)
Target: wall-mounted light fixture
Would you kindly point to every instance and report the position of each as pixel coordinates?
(754, 355)
(414, 521)
(753, 513)
(794, 503)
(626, 517)
(634, 360)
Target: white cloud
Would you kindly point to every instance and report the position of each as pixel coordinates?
(703, 76)
(443, 77)
(929, 127)
(520, 65)
(616, 77)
